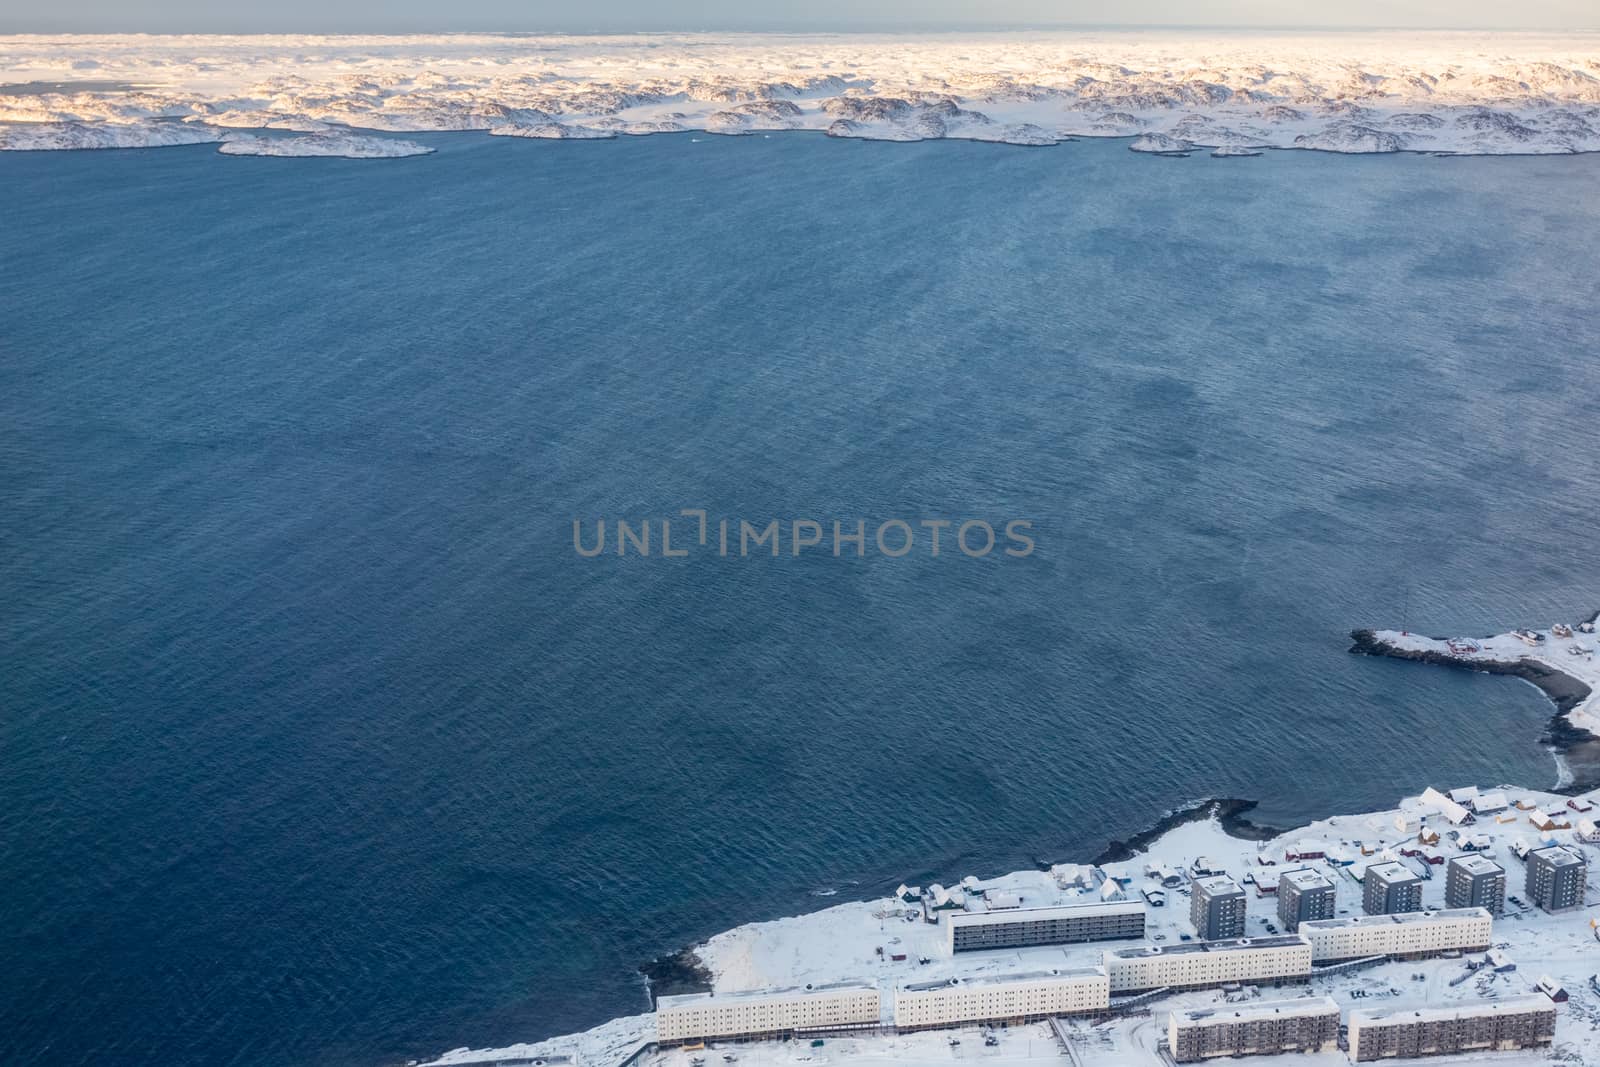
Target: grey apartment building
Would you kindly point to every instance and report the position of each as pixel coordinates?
(1390, 889)
(1065, 925)
(1217, 908)
(1268, 1028)
(1304, 895)
(1489, 1026)
(1556, 878)
(1475, 882)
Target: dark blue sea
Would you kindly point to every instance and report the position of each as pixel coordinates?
(320, 745)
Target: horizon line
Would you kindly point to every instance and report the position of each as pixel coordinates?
(866, 28)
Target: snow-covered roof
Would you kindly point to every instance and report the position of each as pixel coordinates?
(1443, 915)
(1477, 864)
(1305, 878)
(1503, 1006)
(1392, 871)
(1064, 974)
(1231, 944)
(681, 1000)
(1449, 808)
(1064, 911)
(1217, 884)
(1263, 1010)
(1556, 856)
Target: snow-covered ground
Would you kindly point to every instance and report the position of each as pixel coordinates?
(1573, 654)
(1341, 92)
(842, 942)
(345, 145)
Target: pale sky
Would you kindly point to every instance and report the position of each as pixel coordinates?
(355, 16)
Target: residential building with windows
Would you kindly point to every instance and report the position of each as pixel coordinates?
(767, 1013)
(1217, 908)
(1001, 998)
(1475, 882)
(973, 931)
(1410, 935)
(1197, 964)
(1304, 895)
(1556, 878)
(1512, 1024)
(1266, 1028)
(1390, 888)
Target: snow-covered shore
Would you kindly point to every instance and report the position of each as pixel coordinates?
(54, 136)
(1369, 92)
(342, 145)
(1563, 662)
(841, 943)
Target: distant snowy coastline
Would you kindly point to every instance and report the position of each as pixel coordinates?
(342, 145)
(1457, 93)
(47, 136)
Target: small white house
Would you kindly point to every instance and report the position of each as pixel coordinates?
(1464, 795)
(1071, 876)
(1488, 803)
(1002, 899)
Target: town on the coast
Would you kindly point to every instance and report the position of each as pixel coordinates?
(1460, 927)
(1460, 924)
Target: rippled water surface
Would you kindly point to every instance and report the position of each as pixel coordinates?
(321, 746)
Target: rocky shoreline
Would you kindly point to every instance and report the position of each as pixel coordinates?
(1228, 811)
(1564, 691)
(1577, 749)
(684, 972)
(681, 972)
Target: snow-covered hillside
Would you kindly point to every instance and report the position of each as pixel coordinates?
(1344, 92)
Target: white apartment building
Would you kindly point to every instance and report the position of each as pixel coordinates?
(1208, 963)
(1001, 998)
(1411, 934)
(767, 1012)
